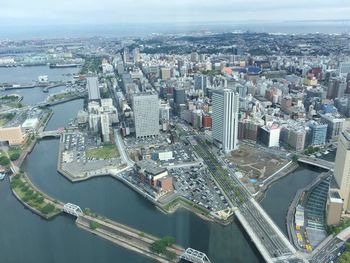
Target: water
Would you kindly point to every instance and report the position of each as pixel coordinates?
(30, 74)
(25, 237)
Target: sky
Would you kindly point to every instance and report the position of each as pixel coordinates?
(79, 12)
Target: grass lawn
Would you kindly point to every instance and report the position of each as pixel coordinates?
(106, 151)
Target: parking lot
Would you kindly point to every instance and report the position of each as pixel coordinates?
(74, 158)
(132, 142)
(196, 185)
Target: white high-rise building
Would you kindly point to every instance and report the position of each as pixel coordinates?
(146, 114)
(342, 167)
(105, 127)
(225, 119)
(92, 88)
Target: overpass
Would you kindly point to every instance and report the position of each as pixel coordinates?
(46, 134)
(272, 244)
(317, 162)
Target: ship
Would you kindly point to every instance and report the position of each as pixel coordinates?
(58, 65)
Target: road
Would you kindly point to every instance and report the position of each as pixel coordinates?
(270, 240)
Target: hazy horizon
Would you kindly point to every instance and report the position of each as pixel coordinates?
(40, 18)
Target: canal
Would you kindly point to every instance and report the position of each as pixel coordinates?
(25, 237)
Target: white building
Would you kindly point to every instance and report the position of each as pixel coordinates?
(105, 127)
(92, 88)
(146, 114)
(225, 119)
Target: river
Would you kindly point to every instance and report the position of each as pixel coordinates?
(25, 237)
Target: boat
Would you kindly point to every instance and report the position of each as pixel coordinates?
(326, 152)
(2, 176)
(72, 65)
(318, 154)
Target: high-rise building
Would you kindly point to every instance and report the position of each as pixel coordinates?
(342, 167)
(335, 124)
(105, 127)
(92, 88)
(317, 133)
(200, 82)
(179, 96)
(146, 114)
(225, 118)
(165, 73)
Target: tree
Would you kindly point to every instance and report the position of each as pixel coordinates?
(47, 209)
(94, 225)
(4, 161)
(14, 156)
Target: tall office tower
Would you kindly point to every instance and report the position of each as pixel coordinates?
(225, 118)
(194, 57)
(136, 55)
(146, 114)
(200, 82)
(125, 55)
(165, 73)
(92, 88)
(342, 167)
(105, 127)
(179, 96)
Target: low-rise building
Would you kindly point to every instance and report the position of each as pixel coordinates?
(12, 135)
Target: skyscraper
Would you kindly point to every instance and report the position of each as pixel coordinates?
(105, 127)
(92, 88)
(225, 118)
(146, 114)
(342, 167)
(200, 82)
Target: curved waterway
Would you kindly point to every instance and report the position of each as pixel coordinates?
(25, 237)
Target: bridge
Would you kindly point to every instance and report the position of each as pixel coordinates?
(45, 134)
(264, 233)
(194, 256)
(72, 209)
(317, 162)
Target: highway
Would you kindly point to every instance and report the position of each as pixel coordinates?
(268, 238)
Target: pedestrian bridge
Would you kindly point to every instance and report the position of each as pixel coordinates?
(317, 162)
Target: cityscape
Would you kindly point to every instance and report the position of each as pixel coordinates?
(208, 142)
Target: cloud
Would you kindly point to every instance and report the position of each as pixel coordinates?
(41, 12)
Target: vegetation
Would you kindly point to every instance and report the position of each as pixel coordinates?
(4, 160)
(295, 157)
(62, 95)
(31, 197)
(160, 246)
(9, 97)
(9, 116)
(106, 151)
(91, 65)
(345, 258)
(14, 153)
(311, 150)
(337, 229)
(94, 225)
(210, 72)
